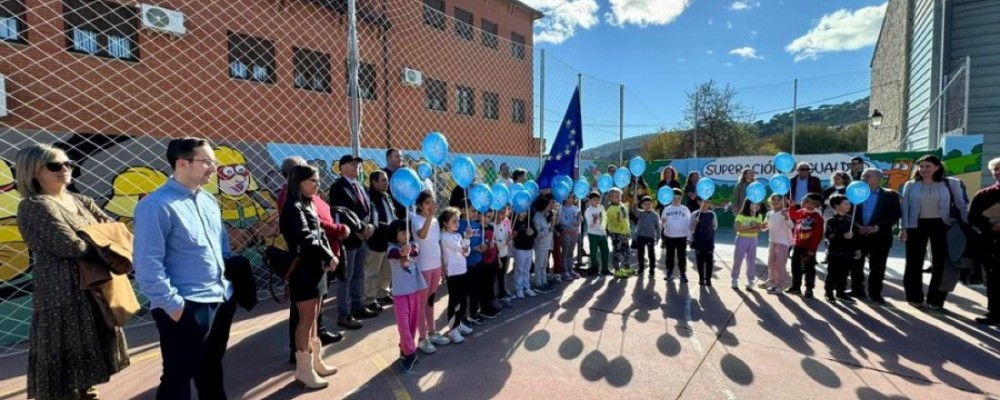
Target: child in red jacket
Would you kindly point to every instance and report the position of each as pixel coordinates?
(808, 235)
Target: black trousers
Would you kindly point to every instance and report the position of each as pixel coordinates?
(837, 269)
(192, 348)
(458, 298)
(293, 320)
(501, 276)
(676, 252)
(935, 231)
(704, 261)
(481, 293)
(876, 250)
(803, 264)
(644, 246)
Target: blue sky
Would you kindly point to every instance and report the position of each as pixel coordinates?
(661, 48)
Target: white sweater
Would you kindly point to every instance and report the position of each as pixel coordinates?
(454, 254)
(596, 212)
(676, 221)
(430, 247)
(780, 228)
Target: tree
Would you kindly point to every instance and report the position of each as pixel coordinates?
(666, 145)
(822, 139)
(723, 124)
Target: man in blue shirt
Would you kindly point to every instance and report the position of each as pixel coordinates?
(179, 251)
(874, 220)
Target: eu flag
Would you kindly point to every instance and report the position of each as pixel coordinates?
(561, 160)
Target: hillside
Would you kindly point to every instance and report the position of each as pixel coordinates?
(839, 115)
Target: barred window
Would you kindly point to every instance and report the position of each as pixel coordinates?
(463, 24)
(12, 21)
(466, 100)
(491, 105)
(367, 85)
(517, 110)
(251, 58)
(311, 70)
(490, 34)
(434, 14)
(517, 46)
(436, 94)
(100, 28)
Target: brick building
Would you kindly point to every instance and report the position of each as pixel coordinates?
(273, 70)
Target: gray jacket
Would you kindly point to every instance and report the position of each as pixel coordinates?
(911, 202)
(648, 225)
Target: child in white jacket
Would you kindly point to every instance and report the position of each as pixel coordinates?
(780, 226)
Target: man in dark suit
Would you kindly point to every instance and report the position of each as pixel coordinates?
(874, 220)
(347, 192)
(377, 271)
(804, 183)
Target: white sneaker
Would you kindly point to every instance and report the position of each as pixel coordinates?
(520, 294)
(439, 339)
(465, 330)
(427, 347)
(455, 336)
(736, 283)
(530, 293)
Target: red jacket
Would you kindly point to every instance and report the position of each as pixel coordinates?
(808, 227)
(333, 230)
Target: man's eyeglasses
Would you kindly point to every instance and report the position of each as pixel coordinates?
(207, 162)
(56, 166)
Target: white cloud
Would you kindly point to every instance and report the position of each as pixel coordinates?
(842, 30)
(728, 64)
(729, 25)
(746, 52)
(740, 5)
(753, 33)
(681, 60)
(710, 22)
(562, 18)
(645, 12)
(709, 52)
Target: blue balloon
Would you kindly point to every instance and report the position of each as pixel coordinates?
(532, 188)
(858, 192)
(780, 184)
(705, 188)
(581, 188)
(605, 182)
(784, 162)
(622, 177)
(501, 196)
(756, 192)
(521, 201)
(517, 187)
(637, 165)
(424, 170)
(560, 191)
(463, 171)
(435, 148)
(481, 197)
(564, 179)
(665, 195)
(405, 186)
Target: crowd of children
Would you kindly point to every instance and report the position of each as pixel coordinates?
(471, 253)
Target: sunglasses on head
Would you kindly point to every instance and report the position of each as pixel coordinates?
(56, 166)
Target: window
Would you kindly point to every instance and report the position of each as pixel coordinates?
(516, 46)
(101, 28)
(367, 85)
(489, 34)
(434, 14)
(251, 58)
(12, 21)
(466, 100)
(463, 24)
(436, 95)
(312, 70)
(491, 105)
(517, 109)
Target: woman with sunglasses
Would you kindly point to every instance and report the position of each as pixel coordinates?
(72, 348)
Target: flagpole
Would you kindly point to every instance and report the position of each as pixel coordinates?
(541, 116)
(579, 241)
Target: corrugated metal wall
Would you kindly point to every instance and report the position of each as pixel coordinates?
(975, 32)
(923, 75)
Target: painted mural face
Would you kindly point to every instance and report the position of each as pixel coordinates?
(234, 180)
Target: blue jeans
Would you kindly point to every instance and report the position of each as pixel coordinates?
(349, 293)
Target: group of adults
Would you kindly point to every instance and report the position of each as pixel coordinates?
(181, 256)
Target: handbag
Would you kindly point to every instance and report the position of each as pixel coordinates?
(282, 263)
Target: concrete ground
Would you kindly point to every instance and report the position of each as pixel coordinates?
(599, 338)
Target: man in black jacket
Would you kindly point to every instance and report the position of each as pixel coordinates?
(377, 272)
(984, 214)
(874, 220)
(347, 192)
